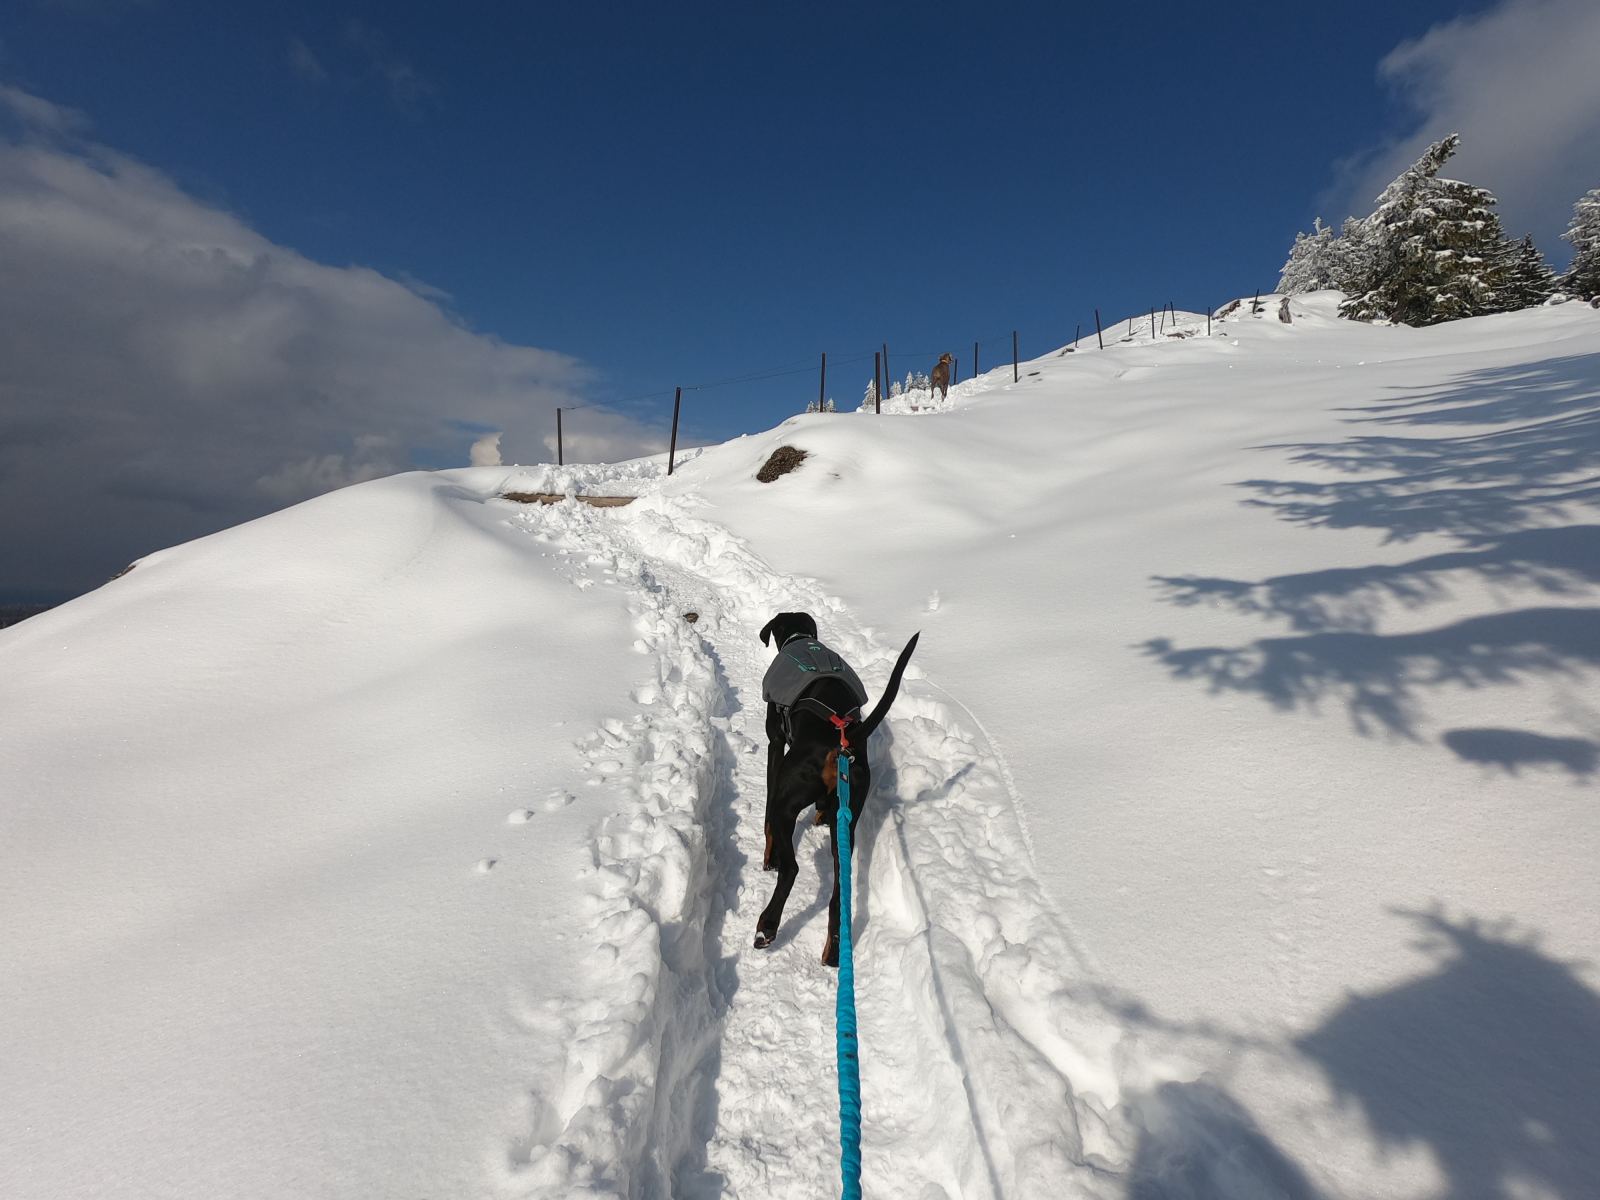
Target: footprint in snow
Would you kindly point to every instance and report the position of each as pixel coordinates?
(485, 865)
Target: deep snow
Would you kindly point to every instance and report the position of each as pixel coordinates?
(1233, 835)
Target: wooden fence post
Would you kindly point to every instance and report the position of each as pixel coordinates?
(974, 360)
(822, 387)
(1152, 324)
(672, 449)
(1076, 334)
(887, 386)
(1097, 335)
(877, 387)
(1015, 377)
(1208, 322)
(559, 463)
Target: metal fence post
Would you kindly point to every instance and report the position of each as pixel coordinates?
(672, 449)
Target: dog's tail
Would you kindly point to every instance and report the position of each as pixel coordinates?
(890, 691)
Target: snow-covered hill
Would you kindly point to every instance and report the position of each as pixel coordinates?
(1233, 835)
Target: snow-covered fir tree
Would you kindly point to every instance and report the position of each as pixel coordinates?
(1583, 277)
(1312, 263)
(871, 398)
(1355, 255)
(1441, 255)
(1530, 280)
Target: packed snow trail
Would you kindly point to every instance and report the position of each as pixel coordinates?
(990, 1067)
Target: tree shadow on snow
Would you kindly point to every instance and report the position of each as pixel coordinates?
(1562, 562)
(1197, 1143)
(1495, 491)
(1511, 750)
(1541, 463)
(1491, 1061)
(1380, 678)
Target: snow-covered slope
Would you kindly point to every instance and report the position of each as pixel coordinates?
(1233, 835)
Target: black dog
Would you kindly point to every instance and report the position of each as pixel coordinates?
(806, 688)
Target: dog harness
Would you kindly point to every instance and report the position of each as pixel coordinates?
(801, 663)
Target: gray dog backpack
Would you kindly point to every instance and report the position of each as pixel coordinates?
(800, 664)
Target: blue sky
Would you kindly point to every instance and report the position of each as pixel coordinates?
(673, 194)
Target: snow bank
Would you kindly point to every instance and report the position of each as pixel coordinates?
(1232, 835)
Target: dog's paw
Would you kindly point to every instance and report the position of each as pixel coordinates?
(830, 954)
(763, 939)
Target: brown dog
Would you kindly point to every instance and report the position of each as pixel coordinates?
(941, 377)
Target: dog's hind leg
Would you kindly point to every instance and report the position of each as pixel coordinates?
(830, 948)
(780, 845)
(775, 752)
(862, 786)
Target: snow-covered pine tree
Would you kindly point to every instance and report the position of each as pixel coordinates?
(1583, 277)
(1355, 255)
(871, 398)
(1530, 281)
(1311, 265)
(1441, 255)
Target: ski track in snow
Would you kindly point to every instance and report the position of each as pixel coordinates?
(982, 1030)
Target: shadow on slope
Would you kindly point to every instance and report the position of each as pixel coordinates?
(1197, 1143)
(1487, 489)
(1492, 1062)
(1379, 678)
(1554, 562)
(1513, 749)
(1541, 462)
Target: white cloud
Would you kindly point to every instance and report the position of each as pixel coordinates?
(405, 83)
(304, 62)
(166, 371)
(38, 115)
(1519, 83)
(372, 456)
(486, 451)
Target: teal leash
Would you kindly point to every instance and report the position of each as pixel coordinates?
(845, 1008)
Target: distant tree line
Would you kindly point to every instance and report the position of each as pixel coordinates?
(1433, 251)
